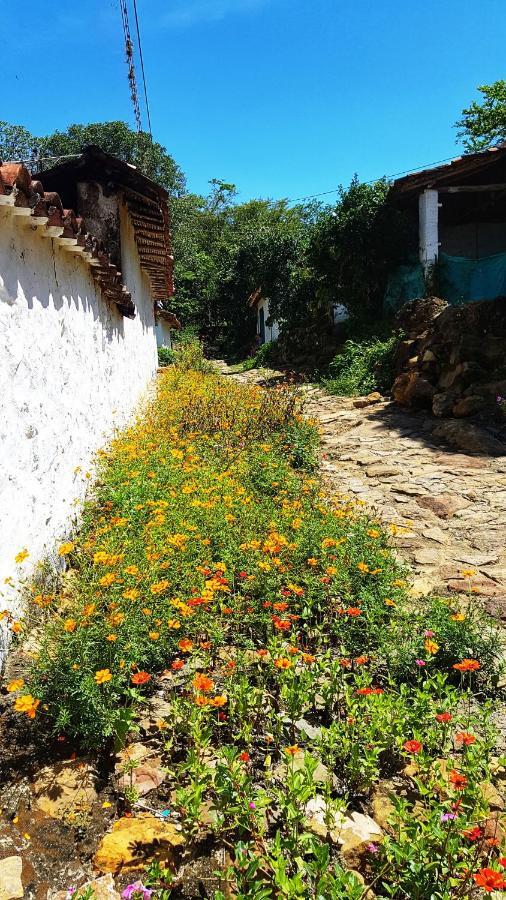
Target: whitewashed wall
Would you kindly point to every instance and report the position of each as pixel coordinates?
(71, 369)
(272, 331)
(163, 334)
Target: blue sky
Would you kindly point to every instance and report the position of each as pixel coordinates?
(284, 98)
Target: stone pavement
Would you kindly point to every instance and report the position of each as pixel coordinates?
(446, 509)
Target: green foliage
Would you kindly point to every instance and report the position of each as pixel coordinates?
(357, 244)
(362, 366)
(483, 123)
(166, 356)
(16, 143)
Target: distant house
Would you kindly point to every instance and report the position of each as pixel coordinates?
(266, 330)
(460, 208)
(165, 322)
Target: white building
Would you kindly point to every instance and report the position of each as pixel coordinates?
(77, 336)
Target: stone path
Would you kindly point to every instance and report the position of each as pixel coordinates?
(447, 509)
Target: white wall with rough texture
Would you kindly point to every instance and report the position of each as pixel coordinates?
(163, 334)
(271, 331)
(72, 368)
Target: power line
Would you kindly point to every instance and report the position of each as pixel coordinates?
(129, 53)
(374, 180)
(142, 67)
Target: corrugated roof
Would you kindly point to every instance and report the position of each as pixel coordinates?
(462, 167)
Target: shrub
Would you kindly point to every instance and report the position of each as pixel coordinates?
(362, 366)
(166, 356)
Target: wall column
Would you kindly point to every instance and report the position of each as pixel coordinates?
(428, 227)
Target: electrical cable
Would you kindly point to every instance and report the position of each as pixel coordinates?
(142, 68)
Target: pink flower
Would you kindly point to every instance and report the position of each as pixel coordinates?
(419, 662)
(136, 891)
(429, 633)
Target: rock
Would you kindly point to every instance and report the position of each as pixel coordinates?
(147, 774)
(444, 505)
(435, 534)
(492, 796)
(309, 730)
(134, 841)
(496, 607)
(65, 788)
(442, 404)
(468, 406)
(362, 402)
(382, 470)
(412, 389)
(469, 438)
(321, 774)
(416, 316)
(356, 834)
(382, 806)
(103, 889)
(317, 819)
(480, 584)
(428, 556)
(11, 886)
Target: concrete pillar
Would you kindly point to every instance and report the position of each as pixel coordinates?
(428, 227)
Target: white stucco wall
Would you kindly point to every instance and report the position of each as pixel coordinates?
(71, 369)
(163, 334)
(272, 331)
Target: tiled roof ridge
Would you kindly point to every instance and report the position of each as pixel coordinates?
(26, 197)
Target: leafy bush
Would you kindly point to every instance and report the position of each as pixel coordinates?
(361, 367)
(166, 356)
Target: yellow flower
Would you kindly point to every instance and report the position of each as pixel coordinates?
(468, 573)
(17, 627)
(431, 646)
(66, 548)
(69, 625)
(15, 685)
(389, 602)
(27, 704)
(312, 561)
(373, 532)
(159, 587)
(174, 623)
(108, 579)
(458, 617)
(111, 638)
(132, 570)
(362, 567)
(131, 594)
(102, 676)
(331, 570)
(21, 556)
(154, 635)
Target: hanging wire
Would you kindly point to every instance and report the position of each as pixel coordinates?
(129, 53)
(139, 42)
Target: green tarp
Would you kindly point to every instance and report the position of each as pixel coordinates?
(460, 280)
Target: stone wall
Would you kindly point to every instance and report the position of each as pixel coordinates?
(453, 360)
(72, 368)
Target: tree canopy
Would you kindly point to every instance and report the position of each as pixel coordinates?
(483, 123)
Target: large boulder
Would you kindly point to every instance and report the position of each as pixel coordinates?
(415, 317)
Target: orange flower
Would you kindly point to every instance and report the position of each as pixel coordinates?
(203, 683)
(361, 660)
(17, 627)
(185, 645)
(111, 638)
(177, 664)
(140, 678)
(412, 746)
(465, 738)
(27, 704)
(489, 880)
(353, 611)
(291, 751)
(89, 609)
(308, 658)
(205, 645)
(102, 676)
(219, 700)
(467, 665)
(200, 700)
(159, 587)
(282, 663)
(431, 646)
(69, 625)
(154, 635)
(362, 567)
(459, 781)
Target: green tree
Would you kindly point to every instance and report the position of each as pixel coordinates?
(116, 138)
(16, 143)
(483, 123)
(356, 245)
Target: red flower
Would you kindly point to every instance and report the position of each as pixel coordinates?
(369, 690)
(244, 756)
(243, 574)
(489, 880)
(465, 738)
(467, 665)
(502, 861)
(353, 611)
(459, 781)
(177, 664)
(444, 717)
(140, 678)
(412, 746)
(472, 834)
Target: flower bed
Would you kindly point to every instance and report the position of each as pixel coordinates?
(303, 682)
